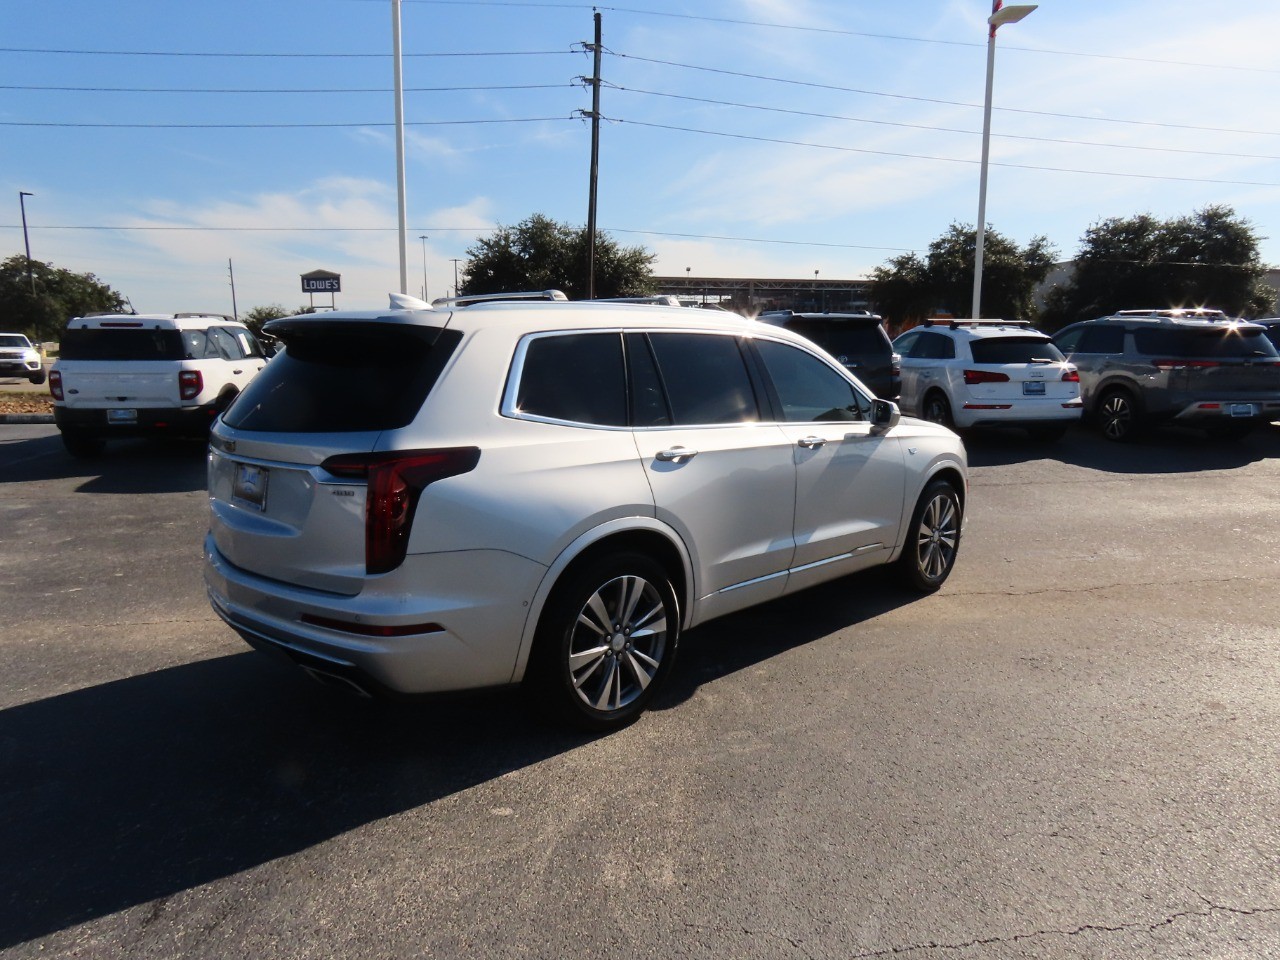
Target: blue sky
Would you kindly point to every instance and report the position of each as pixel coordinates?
(744, 137)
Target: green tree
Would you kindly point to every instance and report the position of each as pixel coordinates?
(40, 305)
(540, 254)
(255, 318)
(908, 289)
(1209, 258)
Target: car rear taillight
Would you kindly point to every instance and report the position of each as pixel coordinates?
(984, 376)
(190, 383)
(895, 365)
(395, 482)
(1184, 364)
(1071, 375)
(55, 384)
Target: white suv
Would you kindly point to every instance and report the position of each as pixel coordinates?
(18, 358)
(440, 498)
(122, 375)
(981, 373)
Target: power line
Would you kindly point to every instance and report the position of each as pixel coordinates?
(330, 90)
(921, 126)
(838, 32)
(201, 228)
(267, 126)
(948, 103)
(277, 56)
(917, 156)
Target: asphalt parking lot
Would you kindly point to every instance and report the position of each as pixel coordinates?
(1070, 751)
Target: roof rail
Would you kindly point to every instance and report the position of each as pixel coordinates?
(956, 324)
(201, 316)
(486, 297)
(659, 299)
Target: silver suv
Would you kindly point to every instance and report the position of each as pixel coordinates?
(1197, 368)
(427, 499)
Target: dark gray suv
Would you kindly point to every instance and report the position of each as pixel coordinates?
(1191, 367)
(857, 340)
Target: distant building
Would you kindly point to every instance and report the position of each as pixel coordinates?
(758, 295)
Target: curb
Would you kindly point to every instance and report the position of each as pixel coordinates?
(26, 418)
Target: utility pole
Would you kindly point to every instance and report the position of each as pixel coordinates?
(595, 165)
(22, 202)
(455, 277)
(235, 313)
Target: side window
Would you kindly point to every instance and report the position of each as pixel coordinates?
(808, 389)
(1068, 340)
(249, 345)
(905, 343)
(1103, 339)
(649, 407)
(705, 377)
(934, 346)
(575, 377)
(228, 348)
(195, 345)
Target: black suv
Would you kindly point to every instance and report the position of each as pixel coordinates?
(857, 340)
(1197, 368)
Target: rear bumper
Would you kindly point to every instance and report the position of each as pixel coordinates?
(148, 422)
(475, 601)
(1211, 410)
(1022, 413)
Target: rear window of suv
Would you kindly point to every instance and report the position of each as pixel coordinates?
(344, 378)
(838, 337)
(1215, 342)
(132, 344)
(1014, 350)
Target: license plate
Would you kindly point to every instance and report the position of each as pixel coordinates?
(1242, 409)
(251, 484)
(122, 416)
(1033, 388)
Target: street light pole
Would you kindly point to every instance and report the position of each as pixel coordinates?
(424, 239)
(1000, 15)
(31, 278)
(399, 94)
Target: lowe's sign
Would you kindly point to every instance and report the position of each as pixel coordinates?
(321, 281)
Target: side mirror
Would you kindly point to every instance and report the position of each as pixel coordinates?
(884, 415)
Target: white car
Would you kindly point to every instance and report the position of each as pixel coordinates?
(984, 373)
(433, 498)
(128, 375)
(18, 358)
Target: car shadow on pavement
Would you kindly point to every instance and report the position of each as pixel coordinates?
(127, 466)
(120, 794)
(123, 793)
(1160, 450)
(744, 640)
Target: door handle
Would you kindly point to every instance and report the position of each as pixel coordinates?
(812, 443)
(237, 372)
(676, 454)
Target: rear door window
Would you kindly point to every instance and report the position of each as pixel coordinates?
(705, 378)
(336, 377)
(577, 378)
(1104, 339)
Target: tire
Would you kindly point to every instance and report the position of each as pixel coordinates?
(929, 552)
(37, 377)
(82, 446)
(1118, 417)
(1048, 434)
(938, 410)
(605, 643)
